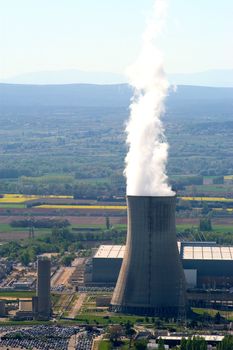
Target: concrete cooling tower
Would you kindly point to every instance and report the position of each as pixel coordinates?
(151, 280)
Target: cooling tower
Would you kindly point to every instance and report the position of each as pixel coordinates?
(151, 280)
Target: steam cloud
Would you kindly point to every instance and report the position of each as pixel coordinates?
(148, 150)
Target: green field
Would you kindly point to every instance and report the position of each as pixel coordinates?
(212, 188)
(12, 205)
(212, 312)
(215, 228)
(105, 320)
(9, 228)
(223, 228)
(23, 294)
(107, 345)
(183, 227)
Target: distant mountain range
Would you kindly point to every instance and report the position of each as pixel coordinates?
(185, 102)
(69, 76)
(212, 78)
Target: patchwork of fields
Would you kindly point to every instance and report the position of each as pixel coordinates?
(83, 214)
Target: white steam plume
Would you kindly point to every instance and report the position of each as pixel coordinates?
(148, 150)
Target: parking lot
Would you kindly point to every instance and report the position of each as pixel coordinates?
(47, 337)
(85, 341)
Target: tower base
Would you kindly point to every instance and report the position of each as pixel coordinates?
(147, 311)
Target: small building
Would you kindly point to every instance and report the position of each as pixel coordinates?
(24, 284)
(25, 305)
(174, 340)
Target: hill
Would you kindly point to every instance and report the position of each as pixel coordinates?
(185, 101)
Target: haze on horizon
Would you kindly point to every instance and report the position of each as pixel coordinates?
(105, 36)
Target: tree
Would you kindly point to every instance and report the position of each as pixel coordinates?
(226, 344)
(161, 344)
(129, 332)
(67, 259)
(205, 208)
(205, 224)
(140, 344)
(107, 223)
(189, 344)
(25, 258)
(183, 344)
(217, 318)
(115, 333)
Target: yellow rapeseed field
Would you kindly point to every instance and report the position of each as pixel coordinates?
(208, 199)
(22, 198)
(16, 198)
(221, 209)
(228, 177)
(94, 207)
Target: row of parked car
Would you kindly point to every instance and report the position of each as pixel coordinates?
(45, 337)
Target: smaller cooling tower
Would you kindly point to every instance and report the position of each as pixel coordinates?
(151, 280)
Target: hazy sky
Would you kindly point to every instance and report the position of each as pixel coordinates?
(105, 35)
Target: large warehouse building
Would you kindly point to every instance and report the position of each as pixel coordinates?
(206, 264)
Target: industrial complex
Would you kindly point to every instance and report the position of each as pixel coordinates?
(39, 306)
(205, 264)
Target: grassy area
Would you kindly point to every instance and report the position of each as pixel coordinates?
(93, 207)
(223, 228)
(85, 226)
(211, 188)
(106, 345)
(12, 205)
(215, 228)
(212, 312)
(16, 294)
(100, 226)
(105, 320)
(24, 323)
(201, 311)
(183, 227)
(9, 228)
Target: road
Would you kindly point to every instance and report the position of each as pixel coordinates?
(78, 305)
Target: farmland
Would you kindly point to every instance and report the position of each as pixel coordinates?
(208, 199)
(90, 213)
(80, 150)
(69, 202)
(89, 207)
(12, 198)
(67, 162)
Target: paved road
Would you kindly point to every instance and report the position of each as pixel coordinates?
(77, 306)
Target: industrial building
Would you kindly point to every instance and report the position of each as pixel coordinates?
(39, 307)
(206, 264)
(25, 311)
(41, 302)
(151, 255)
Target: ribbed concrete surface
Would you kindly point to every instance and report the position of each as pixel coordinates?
(43, 288)
(151, 280)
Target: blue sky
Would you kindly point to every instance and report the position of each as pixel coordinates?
(105, 35)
